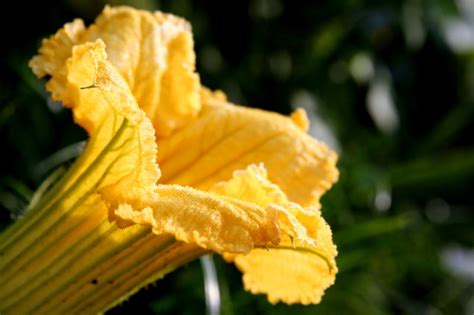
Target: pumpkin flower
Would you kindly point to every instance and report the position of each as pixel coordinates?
(171, 171)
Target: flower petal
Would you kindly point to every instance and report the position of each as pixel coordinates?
(300, 118)
(103, 104)
(252, 185)
(302, 265)
(291, 275)
(52, 57)
(153, 52)
(213, 222)
(226, 137)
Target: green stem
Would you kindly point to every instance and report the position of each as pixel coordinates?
(59, 196)
(65, 256)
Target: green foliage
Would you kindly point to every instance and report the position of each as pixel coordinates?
(403, 199)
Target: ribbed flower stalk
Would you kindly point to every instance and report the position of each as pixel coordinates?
(64, 256)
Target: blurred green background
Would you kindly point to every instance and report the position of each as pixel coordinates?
(388, 84)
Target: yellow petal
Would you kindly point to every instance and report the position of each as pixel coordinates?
(213, 222)
(153, 53)
(53, 54)
(291, 275)
(103, 104)
(216, 95)
(247, 215)
(302, 265)
(226, 137)
(251, 185)
(300, 118)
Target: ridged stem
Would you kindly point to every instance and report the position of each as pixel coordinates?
(65, 256)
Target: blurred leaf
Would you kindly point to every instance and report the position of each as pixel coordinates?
(436, 170)
(371, 228)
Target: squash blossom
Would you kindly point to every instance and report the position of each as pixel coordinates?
(171, 171)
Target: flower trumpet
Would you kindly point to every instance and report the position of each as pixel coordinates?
(171, 171)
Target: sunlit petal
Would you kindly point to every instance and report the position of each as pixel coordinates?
(303, 264)
(226, 138)
(153, 53)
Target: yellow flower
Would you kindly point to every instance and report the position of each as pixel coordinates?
(241, 182)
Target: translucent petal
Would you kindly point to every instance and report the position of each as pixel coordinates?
(226, 137)
(153, 53)
(291, 275)
(300, 118)
(302, 265)
(53, 54)
(103, 104)
(214, 222)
